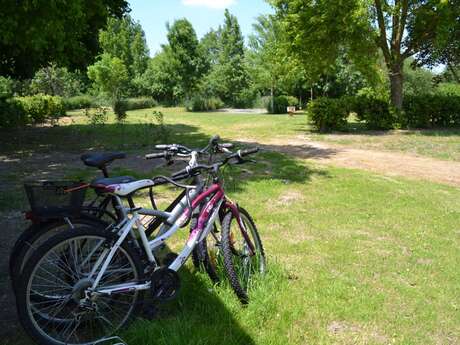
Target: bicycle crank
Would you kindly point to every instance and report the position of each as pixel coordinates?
(165, 284)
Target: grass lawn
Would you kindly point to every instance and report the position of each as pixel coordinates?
(78, 136)
(354, 257)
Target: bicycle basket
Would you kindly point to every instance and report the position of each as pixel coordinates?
(49, 199)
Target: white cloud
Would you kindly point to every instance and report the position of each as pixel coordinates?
(209, 3)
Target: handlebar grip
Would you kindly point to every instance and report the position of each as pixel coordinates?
(180, 173)
(226, 145)
(249, 151)
(155, 155)
(162, 147)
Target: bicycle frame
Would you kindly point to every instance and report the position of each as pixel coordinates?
(172, 222)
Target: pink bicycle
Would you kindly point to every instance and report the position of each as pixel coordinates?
(81, 286)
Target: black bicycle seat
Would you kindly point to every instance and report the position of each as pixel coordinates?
(100, 160)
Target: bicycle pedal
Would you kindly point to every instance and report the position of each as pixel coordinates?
(165, 284)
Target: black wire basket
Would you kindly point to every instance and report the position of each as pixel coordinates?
(51, 199)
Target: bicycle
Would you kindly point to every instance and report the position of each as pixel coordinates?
(97, 278)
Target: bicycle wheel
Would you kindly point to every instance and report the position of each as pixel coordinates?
(239, 264)
(52, 303)
(35, 235)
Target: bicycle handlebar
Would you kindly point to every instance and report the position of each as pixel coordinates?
(191, 171)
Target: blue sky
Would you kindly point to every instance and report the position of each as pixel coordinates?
(203, 14)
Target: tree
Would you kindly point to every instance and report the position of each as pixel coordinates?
(267, 60)
(230, 77)
(35, 32)
(109, 75)
(161, 78)
(125, 39)
(184, 50)
(56, 81)
(318, 29)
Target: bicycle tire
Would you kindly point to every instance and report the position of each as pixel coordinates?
(25, 312)
(228, 251)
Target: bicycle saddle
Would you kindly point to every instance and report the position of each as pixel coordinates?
(99, 160)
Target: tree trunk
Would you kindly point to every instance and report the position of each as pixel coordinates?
(396, 85)
(272, 99)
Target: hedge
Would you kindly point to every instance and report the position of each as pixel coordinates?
(201, 103)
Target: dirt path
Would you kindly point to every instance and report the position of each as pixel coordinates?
(383, 162)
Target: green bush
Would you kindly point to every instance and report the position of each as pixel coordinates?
(327, 114)
(80, 102)
(6, 87)
(96, 116)
(293, 101)
(245, 99)
(40, 107)
(201, 103)
(140, 103)
(371, 108)
(429, 111)
(448, 89)
(119, 108)
(12, 113)
(280, 104)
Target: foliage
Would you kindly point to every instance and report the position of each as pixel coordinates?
(97, 116)
(160, 121)
(109, 75)
(56, 81)
(6, 87)
(12, 113)
(160, 78)
(372, 108)
(417, 80)
(79, 102)
(202, 103)
(123, 38)
(120, 108)
(229, 77)
(327, 114)
(448, 89)
(40, 108)
(318, 30)
(185, 52)
(278, 105)
(428, 111)
(33, 33)
(140, 103)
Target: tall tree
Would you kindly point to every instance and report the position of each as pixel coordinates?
(125, 39)
(229, 76)
(35, 32)
(109, 75)
(184, 49)
(318, 29)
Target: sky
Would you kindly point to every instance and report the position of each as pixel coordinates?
(203, 14)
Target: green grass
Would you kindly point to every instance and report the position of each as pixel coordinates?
(354, 257)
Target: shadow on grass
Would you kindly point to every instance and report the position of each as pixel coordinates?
(197, 316)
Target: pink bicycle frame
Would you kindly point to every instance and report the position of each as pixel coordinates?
(218, 194)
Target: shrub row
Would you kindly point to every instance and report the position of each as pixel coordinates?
(424, 111)
(201, 103)
(21, 111)
(280, 104)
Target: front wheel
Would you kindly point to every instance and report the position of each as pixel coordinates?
(242, 262)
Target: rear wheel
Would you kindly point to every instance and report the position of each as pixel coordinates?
(240, 266)
(53, 303)
(36, 235)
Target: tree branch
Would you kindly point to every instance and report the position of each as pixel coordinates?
(383, 33)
